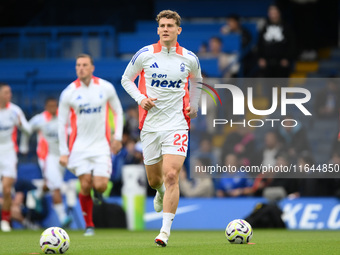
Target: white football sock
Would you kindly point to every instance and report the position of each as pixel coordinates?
(167, 222)
(161, 189)
(59, 209)
(39, 193)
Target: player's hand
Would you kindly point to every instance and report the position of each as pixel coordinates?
(116, 146)
(63, 160)
(148, 103)
(191, 112)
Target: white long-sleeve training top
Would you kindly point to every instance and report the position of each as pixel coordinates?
(163, 75)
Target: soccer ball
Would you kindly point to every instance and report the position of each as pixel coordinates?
(239, 231)
(54, 240)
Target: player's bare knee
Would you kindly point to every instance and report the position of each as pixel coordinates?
(100, 187)
(100, 184)
(86, 184)
(171, 178)
(6, 192)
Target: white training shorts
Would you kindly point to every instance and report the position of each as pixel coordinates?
(100, 165)
(8, 164)
(52, 171)
(156, 144)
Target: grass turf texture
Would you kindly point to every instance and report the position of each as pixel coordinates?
(181, 242)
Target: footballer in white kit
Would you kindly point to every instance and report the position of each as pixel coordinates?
(11, 118)
(164, 70)
(46, 126)
(84, 105)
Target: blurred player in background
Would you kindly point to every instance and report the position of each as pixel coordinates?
(11, 118)
(46, 125)
(84, 105)
(164, 69)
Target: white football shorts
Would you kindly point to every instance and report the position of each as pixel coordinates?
(52, 171)
(99, 165)
(156, 144)
(8, 164)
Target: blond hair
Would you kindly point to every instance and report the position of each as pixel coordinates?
(168, 14)
(83, 55)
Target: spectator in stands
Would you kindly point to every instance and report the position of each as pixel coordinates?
(205, 151)
(233, 26)
(334, 188)
(131, 153)
(132, 122)
(240, 142)
(201, 186)
(327, 103)
(272, 147)
(275, 46)
(294, 138)
(272, 179)
(306, 185)
(234, 184)
(227, 63)
(306, 28)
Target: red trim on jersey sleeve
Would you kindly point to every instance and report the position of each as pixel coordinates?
(42, 147)
(78, 83)
(73, 135)
(8, 105)
(186, 103)
(107, 124)
(142, 89)
(95, 80)
(14, 138)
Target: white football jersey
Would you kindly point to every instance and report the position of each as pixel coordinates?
(11, 118)
(46, 126)
(163, 75)
(86, 109)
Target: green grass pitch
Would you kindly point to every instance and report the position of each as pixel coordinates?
(107, 241)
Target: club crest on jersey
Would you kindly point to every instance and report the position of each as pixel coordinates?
(182, 67)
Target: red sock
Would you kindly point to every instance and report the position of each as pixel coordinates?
(6, 215)
(87, 208)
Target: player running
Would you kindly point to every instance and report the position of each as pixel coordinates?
(46, 125)
(84, 104)
(11, 118)
(164, 70)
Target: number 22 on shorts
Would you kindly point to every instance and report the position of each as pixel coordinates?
(178, 138)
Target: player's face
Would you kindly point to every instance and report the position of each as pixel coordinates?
(168, 30)
(84, 68)
(5, 94)
(52, 107)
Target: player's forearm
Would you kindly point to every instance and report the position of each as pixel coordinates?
(24, 141)
(132, 89)
(62, 134)
(195, 92)
(118, 124)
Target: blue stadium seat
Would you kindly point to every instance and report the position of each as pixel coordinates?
(130, 43)
(210, 67)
